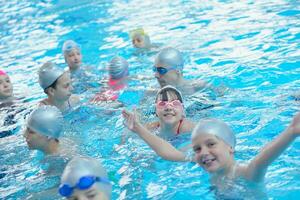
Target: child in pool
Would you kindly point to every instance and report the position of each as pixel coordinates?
(6, 88)
(56, 83)
(141, 40)
(43, 129)
(171, 114)
(85, 178)
(168, 69)
(117, 82)
(213, 143)
(82, 78)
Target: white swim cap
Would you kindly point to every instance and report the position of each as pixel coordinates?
(48, 74)
(170, 57)
(217, 128)
(69, 45)
(163, 91)
(118, 68)
(80, 167)
(47, 121)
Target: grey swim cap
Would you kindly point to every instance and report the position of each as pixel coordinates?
(118, 68)
(48, 74)
(69, 45)
(47, 121)
(79, 167)
(170, 57)
(163, 91)
(217, 128)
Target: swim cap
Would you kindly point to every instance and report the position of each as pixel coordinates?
(47, 121)
(69, 45)
(140, 32)
(2, 73)
(79, 167)
(217, 128)
(118, 68)
(163, 91)
(170, 57)
(48, 74)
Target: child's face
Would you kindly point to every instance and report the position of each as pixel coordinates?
(73, 59)
(138, 41)
(6, 88)
(170, 111)
(211, 153)
(35, 140)
(63, 88)
(168, 78)
(92, 193)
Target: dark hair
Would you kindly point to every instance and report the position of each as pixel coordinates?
(53, 85)
(164, 94)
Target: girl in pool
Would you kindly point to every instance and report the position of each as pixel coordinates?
(56, 83)
(213, 143)
(84, 178)
(117, 82)
(6, 88)
(171, 114)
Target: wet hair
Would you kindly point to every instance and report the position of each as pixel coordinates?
(163, 93)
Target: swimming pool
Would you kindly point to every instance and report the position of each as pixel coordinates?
(251, 47)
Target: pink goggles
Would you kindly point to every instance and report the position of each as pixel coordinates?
(174, 103)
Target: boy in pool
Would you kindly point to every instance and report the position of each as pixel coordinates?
(85, 178)
(56, 83)
(72, 55)
(168, 69)
(6, 88)
(213, 143)
(43, 129)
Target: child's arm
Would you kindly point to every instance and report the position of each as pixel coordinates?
(257, 168)
(160, 146)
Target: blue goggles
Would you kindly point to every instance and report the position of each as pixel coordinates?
(83, 184)
(163, 70)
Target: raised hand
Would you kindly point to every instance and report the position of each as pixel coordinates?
(131, 120)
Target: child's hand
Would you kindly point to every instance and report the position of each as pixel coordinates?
(295, 125)
(131, 120)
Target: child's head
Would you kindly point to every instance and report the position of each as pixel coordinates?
(169, 105)
(213, 142)
(72, 54)
(118, 69)
(43, 125)
(168, 66)
(85, 178)
(140, 39)
(55, 82)
(6, 88)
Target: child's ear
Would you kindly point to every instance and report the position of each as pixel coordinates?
(50, 91)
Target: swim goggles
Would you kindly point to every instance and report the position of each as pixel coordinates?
(84, 183)
(162, 70)
(174, 103)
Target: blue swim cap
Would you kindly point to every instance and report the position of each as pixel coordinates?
(118, 68)
(217, 128)
(48, 74)
(47, 121)
(80, 167)
(170, 57)
(69, 45)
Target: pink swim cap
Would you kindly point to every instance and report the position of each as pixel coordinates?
(2, 73)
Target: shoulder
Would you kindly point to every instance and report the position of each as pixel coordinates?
(44, 102)
(152, 125)
(187, 126)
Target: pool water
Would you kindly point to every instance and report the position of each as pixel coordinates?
(251, 47)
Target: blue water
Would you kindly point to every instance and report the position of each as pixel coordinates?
(251, 47)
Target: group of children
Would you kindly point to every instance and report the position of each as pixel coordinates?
(212, 140)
